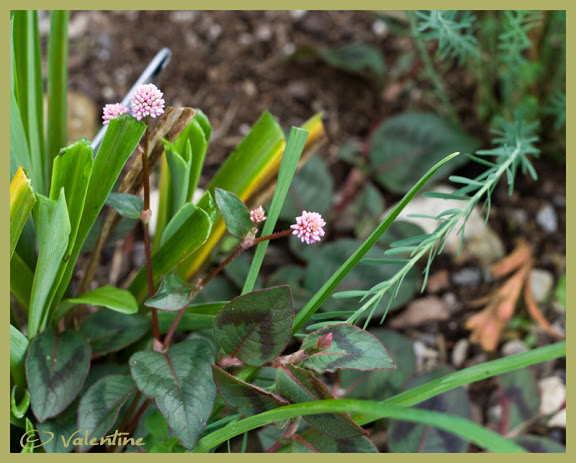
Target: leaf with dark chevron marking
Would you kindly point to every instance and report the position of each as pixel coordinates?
(352, 347)
(247, 399)
(56, 367)
(298, 385)
(181, 382)
(256, 327)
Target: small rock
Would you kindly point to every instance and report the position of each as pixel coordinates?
(459, 352)
(380, 28)
(520, 216)
(515, 346)
(541, 283)
(138, 254)
(470, 277)
(494, 413)
(426, 358)
(424, 310)
(559, 201)
(552, 396)
(298, 14)
(438, 281)
(263, 33)
(547, 219)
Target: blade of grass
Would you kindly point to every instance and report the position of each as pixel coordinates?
(57, 83)
(466, 429)
(294, 146)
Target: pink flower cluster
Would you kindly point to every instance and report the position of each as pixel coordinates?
(308, 227)
(257, 215)
(146, 101)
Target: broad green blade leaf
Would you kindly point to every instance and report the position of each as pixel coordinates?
(19, 152)
(190, 235)
(245, 398)
(298, 385)
(18, 408)
(100, 406)
(404, 146)
(351, 347)
(255, 327)
(174, 294)
(520, 392)
(409, 437)
(110, 297)
(235, 213)
(179, 165)
(126, 204)
(181, 383)
(56, 367)
(323, 293)
(22, 202)
(52, 431)
(53, 228)
(254, 160)
(122, 137)
(57, 82)
(109, 331)
(21, 278)
(18, 349)
(29, 93)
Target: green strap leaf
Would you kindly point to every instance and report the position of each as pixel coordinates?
(247, 399)
(235, 213)
(298, 385)
(22, 202)
(21, 278)
(18, 349)
(255, 327)
(174, 294)
(128, 205)
(100, 406)
(56, 367)
(351, 347)
(181, 383)
(109, 331)
(110, 297)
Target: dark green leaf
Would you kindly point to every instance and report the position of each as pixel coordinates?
(521, 395)
(351, 347)
(539, 444)
(109, 331)
(318, 443)
(196, 317)
(410, 437)
(56, 367)
(110, 297)
(181, 383)
(256, 327)
(404, 147)
(298, 385)
(236, 215)
(245, 398)
(100, 406)
(174, 294)
(64, 425)
(126, 204)
(357, 57)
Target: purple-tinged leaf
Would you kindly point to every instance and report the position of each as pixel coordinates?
(256, 327)
(235, 213)
(247, 399)
(108, 331)
(298, 385)
(407, 437)
(100, 406)
(521, 397)
(351, 347)
(56, 367)
(180, 381)
(538, 444)
(174, 294)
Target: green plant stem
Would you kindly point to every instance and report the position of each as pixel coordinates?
(431, 71)
(150, 275)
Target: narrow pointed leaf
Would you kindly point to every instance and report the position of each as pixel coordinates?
(179, 164)
(18, 350)
(22, 202)
(56, 367)
(53, 228)
(298, 385)
(174, 294)
(21, 278)
(236, 215)
(181, 383)
(109, 331)
(110, 297)
(128, 205)
(19, 407)
(351, 347)
(100, 406)
(196, 317)
(255, 327)
(243, 397)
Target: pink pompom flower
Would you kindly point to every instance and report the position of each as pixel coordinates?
(147, 101)
(113, 110)
(257, 215)
(308, 227)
